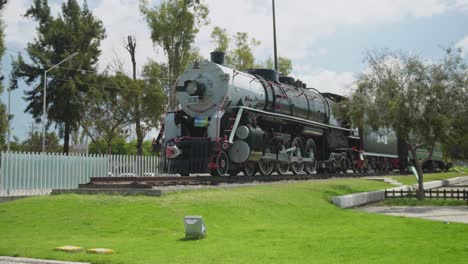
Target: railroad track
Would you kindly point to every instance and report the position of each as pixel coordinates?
(150, 182)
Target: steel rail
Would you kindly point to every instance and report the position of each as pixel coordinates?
(149, 182)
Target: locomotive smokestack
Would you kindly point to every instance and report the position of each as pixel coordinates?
(217, 57)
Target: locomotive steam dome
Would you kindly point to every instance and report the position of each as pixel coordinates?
(205, 86)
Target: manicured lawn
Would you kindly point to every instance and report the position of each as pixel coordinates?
(410, 179)
(279, 223)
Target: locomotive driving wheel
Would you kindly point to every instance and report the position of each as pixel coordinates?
(266, 166)
(297, 167)
(250, 169)
(310, 151)
(222, 160)
(282, 167)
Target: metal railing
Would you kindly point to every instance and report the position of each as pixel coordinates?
(25, 173)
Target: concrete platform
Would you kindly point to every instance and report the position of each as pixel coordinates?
(117, 191)
(14, 260)
(458, 214)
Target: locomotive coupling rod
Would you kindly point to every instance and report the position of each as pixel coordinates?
(288, 150)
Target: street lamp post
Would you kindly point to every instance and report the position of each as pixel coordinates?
(44, 103)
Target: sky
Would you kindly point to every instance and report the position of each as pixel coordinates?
(326, 40)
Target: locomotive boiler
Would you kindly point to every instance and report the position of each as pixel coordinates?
(255, 121)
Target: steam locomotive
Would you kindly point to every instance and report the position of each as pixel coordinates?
(259, 122)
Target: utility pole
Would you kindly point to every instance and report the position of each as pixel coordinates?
(8, 116)
(274, 35)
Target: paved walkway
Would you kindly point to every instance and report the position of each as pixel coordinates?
(457, 214)
(12, 260)
(384, 179)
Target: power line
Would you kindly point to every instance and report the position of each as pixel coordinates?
(95, 85)
(94, 71)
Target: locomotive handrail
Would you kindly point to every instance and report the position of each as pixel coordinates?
(236, 124)
(302, 120)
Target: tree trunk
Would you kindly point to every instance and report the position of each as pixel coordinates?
(109, 147)
(66, 137)
(402, 154)
(131, 47)
(138, 131)
(418, 165)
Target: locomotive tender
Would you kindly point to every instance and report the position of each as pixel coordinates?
(258, 122)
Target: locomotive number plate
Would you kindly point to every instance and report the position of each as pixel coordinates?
(192, 100)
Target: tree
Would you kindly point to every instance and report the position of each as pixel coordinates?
(131, 48)
(174, 25)
(3, 112)
(106, 114)
(417, 100)
(240, 56)
(220, 37)
(120, 146)
(284, 65)
(74, 30)
(144, 97)
(34, 143)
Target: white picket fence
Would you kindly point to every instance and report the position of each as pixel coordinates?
(25, 173)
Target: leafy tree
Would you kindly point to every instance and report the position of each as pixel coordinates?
(220, 37)
(174, 25)
(416, 99)
(3, 112)
(15, 144)
(120, 147)
(284, 65)
(144, 97)
(74, 30)
(105, 114)
(34, 143)
(240, 56)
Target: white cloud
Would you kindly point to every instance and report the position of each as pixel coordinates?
(19, 30)
(325, 80)
(462, 4)
(463, 44)
(121, 19)
(301, 23)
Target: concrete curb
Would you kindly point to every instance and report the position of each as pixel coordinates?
(11, 260)
(442, 183)
(352, 200)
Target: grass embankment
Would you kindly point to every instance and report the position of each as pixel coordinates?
(280, 223)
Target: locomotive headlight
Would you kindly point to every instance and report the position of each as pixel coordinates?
(194, 88)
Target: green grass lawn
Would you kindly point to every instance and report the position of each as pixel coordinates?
(410, 179)
(278, 223)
